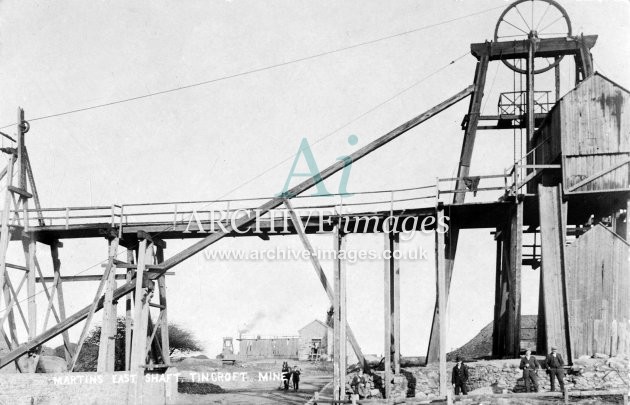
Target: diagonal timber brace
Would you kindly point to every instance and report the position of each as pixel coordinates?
(322, 277)
(239, 223)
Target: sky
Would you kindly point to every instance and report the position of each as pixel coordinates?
(209, 141)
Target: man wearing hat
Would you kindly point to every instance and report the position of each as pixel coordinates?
(555, 368)
(530, 365)
(460, 377)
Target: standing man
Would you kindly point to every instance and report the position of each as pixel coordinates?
(555, 368)
(295, 377)
(460, 377)
(530, 366)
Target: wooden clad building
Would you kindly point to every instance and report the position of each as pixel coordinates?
(315, 341)
(285, 347)
(598, 293)
(588, 133)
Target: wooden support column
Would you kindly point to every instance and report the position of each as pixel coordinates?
(507, 320)
(516, 263)
(463, 170)
(30, 246)
(128, 311)
(552, 242)
(107, 347)
(339, 313)
(140, 320)
(392, 309)
(529, 88)
(163, 324)
(395, 299)
(141, 309)
(440, 276)
(387, 301)
(556, 71)
(54, 253)
(299, 227)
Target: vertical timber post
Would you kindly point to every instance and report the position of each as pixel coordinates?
(141, 320)
(32, 304)
(163, 319)
(106, 350)
(441, 298)
(392, 308)
(530, 89)
(54, 253)
(339, 313)
(470, 134)
(387, 351)
(395, 305)
(129, 312)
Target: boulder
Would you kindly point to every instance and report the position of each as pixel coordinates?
(51, 364)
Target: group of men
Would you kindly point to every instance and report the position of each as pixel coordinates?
(361, 385)
(554, 365)
(290, 375)
(529, 364)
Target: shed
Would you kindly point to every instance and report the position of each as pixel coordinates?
(315, 341)
(588, 133)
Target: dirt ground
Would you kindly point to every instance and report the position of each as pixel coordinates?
(313, 378)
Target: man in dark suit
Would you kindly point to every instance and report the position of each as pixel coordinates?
(460, 377)
(530, 365)
(555, 368)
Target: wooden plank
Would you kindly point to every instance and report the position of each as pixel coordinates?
(246, 220)
(299, 227)
(440, 267)
(107, 349)
(552, 246)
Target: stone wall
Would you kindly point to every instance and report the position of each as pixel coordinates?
(499, 376)
(85, 388)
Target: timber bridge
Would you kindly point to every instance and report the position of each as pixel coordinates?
(560, 209)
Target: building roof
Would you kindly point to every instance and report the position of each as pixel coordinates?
(312, 322)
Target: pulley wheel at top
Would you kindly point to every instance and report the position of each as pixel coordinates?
(525, 19)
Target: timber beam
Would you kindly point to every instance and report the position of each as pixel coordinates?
(547, 47)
